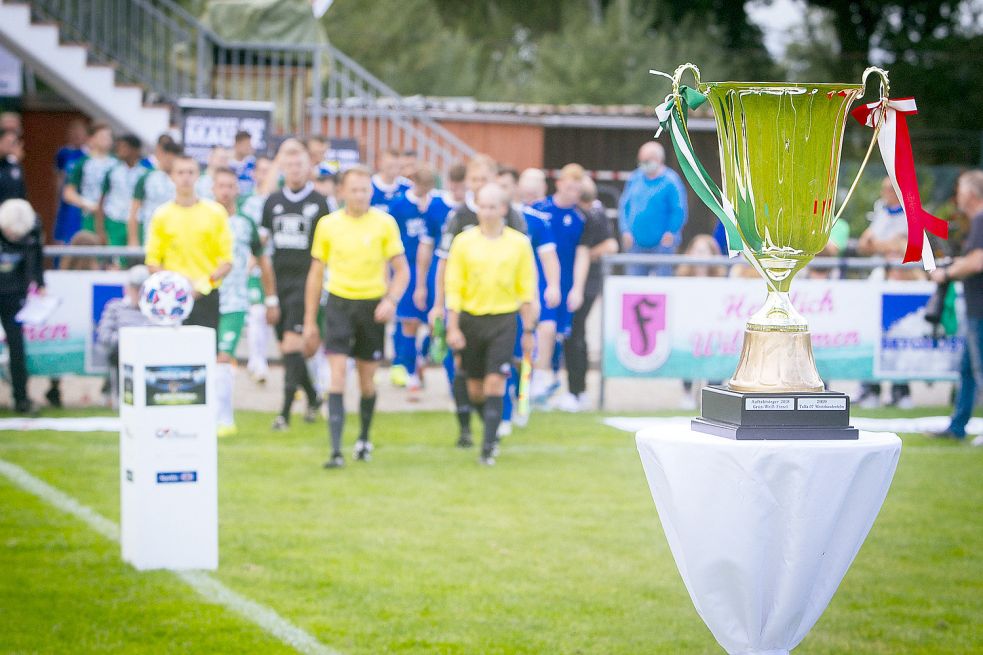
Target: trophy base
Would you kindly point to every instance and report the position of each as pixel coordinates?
(782, 416)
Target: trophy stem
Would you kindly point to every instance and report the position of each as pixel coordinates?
(777, 314)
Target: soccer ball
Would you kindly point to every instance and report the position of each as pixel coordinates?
(166, 298)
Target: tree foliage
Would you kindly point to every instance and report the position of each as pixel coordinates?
(572, 51)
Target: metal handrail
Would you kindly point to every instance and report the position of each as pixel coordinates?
(608, 262)
(171, 54)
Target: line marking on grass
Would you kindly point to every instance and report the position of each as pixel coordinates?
(204, 584)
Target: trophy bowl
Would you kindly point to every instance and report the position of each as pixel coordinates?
(780, 147)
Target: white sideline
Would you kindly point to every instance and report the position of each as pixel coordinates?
(205, 585)
(904, 424)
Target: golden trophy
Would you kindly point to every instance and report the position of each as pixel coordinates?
(780, 149)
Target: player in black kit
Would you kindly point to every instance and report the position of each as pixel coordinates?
(290, 215)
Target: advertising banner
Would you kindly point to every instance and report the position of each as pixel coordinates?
(175, 385)
(693, 328)
(65, 344)
(209, 123)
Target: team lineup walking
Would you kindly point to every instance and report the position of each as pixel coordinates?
(478, 273)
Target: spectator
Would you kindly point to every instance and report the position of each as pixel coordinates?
(120, 313)
(652, 209)
(75, 263)
(969, 269)
(11, 174)
(839, 238)
(20, 252)
(886, 236)
(702, 246)
(69, 218)
(531, 186)
(11, 120)
(598, 242)
(82, 238)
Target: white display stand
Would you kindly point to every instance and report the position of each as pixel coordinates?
(763, 531)
(168, 449)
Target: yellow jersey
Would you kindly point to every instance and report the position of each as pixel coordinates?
(356, 251)
(191, 241)
(489, 275)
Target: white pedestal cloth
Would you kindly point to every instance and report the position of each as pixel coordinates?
(764, 531)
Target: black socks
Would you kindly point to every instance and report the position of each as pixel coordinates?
(336, 420)
(462, 402)
(493, 417)
(290, 381)
(366, 408)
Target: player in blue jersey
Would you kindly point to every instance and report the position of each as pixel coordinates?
(420, 215)
(548, 281)
(243, 162)
(388, 184)
(566, 223)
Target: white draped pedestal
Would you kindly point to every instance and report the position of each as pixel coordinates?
(764, 531)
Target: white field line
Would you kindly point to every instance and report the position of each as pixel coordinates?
(205, 585)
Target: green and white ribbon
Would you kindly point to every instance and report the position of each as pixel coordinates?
(672, 117)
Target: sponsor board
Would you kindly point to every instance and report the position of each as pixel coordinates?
(693, 328)
(175, 385)
(174, 433)
(177, 477)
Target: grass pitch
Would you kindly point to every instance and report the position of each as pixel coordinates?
(558, 549)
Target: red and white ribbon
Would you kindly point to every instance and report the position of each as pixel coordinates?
(895, 146)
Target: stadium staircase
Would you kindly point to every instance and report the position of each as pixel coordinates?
(129, 62)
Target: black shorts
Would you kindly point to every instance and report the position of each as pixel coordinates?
(291, 309)
(350, 328)
(489, 342)
(204, 312)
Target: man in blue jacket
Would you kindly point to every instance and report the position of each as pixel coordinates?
(652, 210)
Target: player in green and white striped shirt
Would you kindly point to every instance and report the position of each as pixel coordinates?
(83, 186)
(152, 190)
(117, 191)
(257, 328)
(233, 294)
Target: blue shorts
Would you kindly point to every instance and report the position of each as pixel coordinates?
(559, 314)
(406, 309)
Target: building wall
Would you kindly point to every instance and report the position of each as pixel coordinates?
(512, 144)
(44, 134)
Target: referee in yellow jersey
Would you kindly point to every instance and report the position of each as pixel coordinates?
(358, 245)
(490, 276)
(191, 236)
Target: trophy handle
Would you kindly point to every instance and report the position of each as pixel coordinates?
(677, 77)
(879, 120)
